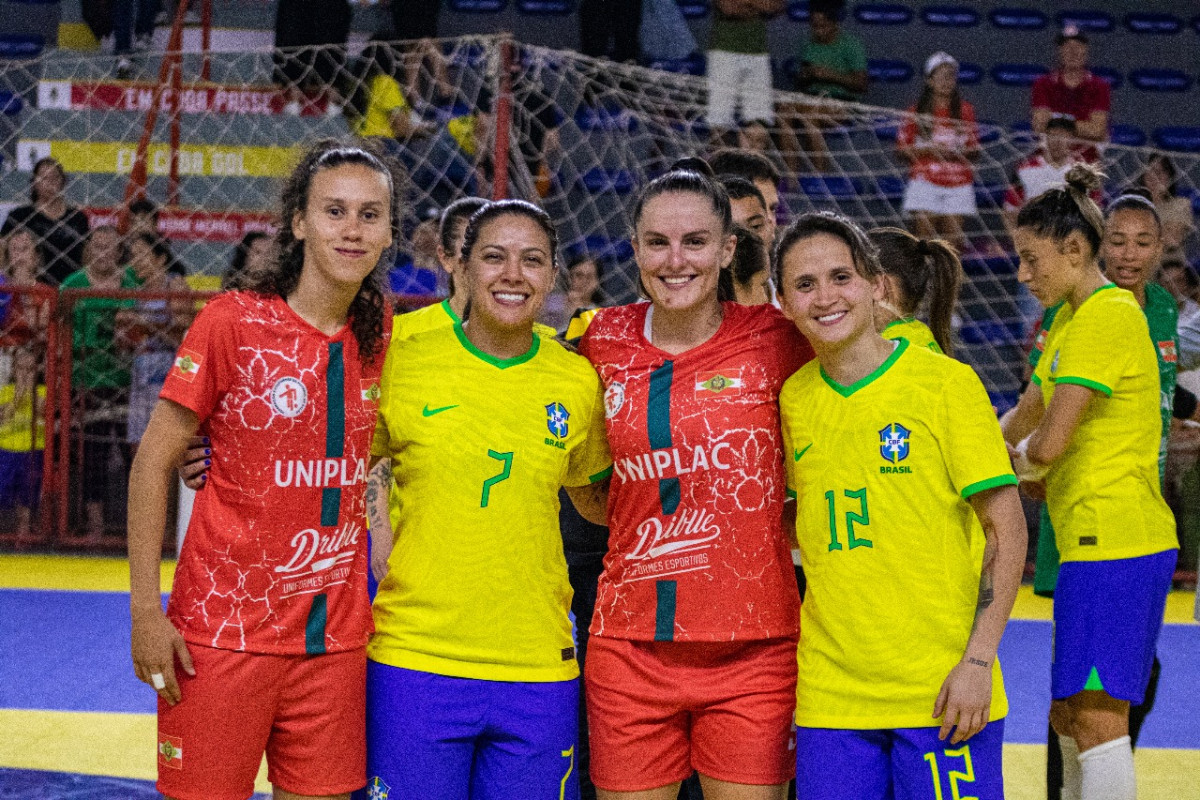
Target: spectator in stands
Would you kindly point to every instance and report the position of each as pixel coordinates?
(833, 66)
(130, 35)
(749, 209)
(583, 291)
(310, 50)
(143, 219)
(60, 227)
(739, 67)
(747, 280)
(1072, 89)
(24, 318)
(99, 374)
(1161, 180)
(254, 253)
(22, 439)
(1183, 283)
(151, 329)
(939, 140)
(759, 170)
(1043, 169)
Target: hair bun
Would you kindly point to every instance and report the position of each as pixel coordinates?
(1084, 178)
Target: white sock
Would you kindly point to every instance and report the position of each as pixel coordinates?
(1072, 785)
(1107, 771)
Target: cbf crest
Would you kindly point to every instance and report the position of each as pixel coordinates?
(893, 443)
(556, 420)
(378, 790)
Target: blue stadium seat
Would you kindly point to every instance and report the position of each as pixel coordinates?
(545, 8)
(1017, 74)
(1128, 135)
(21, 45)
(1113, 76)
(890, 187)
(600, 247)
(1153, 23)
(1022, 132)
(477, 6)
(989, 131)
(969, 74)
(993, 332)
(989, 265)
(886, 128)
(472, 55)
(889, 70)
(404, 279)
(1003, 401)
(36, 2)
(950, 16)
(592, 118)
(693, 9)
(990, 195)
(883, 14)
(10, 103)
(1088, 20)
(598, 180)
(830, 187)
(1019, 19)
(1161, 80)
(797, 10)
(1178, 137)
(692, 65)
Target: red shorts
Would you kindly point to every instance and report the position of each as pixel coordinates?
(658, 710)
(307, 713)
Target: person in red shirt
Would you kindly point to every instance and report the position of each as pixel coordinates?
(268, 617)
(689, 666)
(1072, 89)
(939, 139)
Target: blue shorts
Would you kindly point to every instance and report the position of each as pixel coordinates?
(1107, 615)
(438, 738)
(898, 764)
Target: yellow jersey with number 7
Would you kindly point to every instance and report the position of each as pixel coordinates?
(883, 471)
(477, 581)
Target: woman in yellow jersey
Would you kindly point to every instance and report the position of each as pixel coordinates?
(911, 535)
(1089, 426)
(472, 680)
(914, 269)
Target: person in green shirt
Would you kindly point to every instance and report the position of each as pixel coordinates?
(739, 69)
(98, 374)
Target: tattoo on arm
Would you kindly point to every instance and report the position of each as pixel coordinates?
(979, 662)
(987, 593)
(379, 482)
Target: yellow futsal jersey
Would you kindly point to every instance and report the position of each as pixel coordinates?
(477, 581)
(1103, 493)
(438, 315)
(912, 329)
(892, 549)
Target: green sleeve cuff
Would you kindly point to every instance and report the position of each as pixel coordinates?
(1035, 379)
(601, 475)
(791, 493)
(1093, 385)
(990, 483)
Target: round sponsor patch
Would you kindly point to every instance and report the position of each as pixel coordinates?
(288, 397)
(614, 398)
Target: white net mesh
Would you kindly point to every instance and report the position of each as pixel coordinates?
(584, 136)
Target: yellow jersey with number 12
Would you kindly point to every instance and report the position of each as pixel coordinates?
(477, 581)
(883, 471)
(1103, 493)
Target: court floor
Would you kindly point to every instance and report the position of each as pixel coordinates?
(75, 723)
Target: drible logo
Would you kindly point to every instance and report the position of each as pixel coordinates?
(289, 397)
(685, 530)
(319, 560)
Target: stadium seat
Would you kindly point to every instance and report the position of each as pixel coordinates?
(882, 14)
(1128, 135)
(600, 247)
(1022, 132)
(1113, 76)
(889, 70)
(21, 45)
(1003, 401)
(694, 9)
(407, 279)
(996, 333)
(990, 195)
(545, 8)
(887, 128)
(599, 179)
(989, 131)
(591, 118)
(950, 16)
(692, 65)
(1161, 80)
(1017, 74)
(477, 6)
(830, 187)
(969, 74)
(989, 265)
(1153, 23)
(11, 104)
(890, 187)
(1178, 137)
(1087, 20)
(1019, 19)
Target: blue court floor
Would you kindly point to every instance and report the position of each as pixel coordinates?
(76, 723)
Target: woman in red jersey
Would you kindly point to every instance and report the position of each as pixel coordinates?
(268, 616)
(691, 664)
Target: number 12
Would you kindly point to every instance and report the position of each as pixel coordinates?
(862, 517)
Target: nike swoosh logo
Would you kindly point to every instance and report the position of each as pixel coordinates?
(798, 453)
(429, 412)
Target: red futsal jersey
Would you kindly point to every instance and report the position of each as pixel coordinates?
(697, 550)
(275, 558)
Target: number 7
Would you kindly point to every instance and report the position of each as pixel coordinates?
(507, 459)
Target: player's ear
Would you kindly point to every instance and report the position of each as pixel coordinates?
(298, 228)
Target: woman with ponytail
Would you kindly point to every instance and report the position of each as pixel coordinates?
(1089, 427)
(915, 269)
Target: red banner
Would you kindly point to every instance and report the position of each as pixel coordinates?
(197, 226)
(192, 99)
